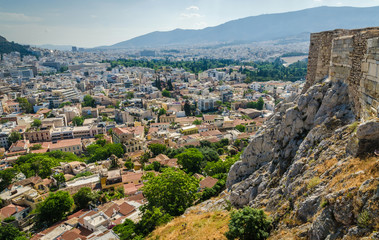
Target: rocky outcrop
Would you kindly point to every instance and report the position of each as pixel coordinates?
(313, 165)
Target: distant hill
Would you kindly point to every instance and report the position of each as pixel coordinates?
(7, 47)
(262, 28)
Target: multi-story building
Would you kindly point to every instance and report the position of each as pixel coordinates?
(42, 134)
(131, 138)
(14, 107)
(226, 96)
(189, 130)
(167, 118)
(68, 145)
(206, 104)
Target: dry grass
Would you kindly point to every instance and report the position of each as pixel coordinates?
(284, 234)
(325, 165)
(206, 226)
(354, 172)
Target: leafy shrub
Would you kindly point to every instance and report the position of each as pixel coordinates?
(364, 219)
(324, 203)
(9, 219)
(313, 183)
(248, 223)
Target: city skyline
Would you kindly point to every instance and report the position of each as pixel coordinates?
(96, 23)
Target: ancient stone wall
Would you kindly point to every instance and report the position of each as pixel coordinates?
(349, 56)
(319, 56)
(369, 84)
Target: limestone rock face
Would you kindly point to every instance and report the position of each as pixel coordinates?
(368, 130)
(312, 165)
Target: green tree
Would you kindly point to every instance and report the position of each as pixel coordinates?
(36, 123)
(88, 101)
(169, 85)
(115, 148)
(53, 208)
(64, 104)
(156, 166)
(161, 112)
(166, 93)
(157, 148)
(260, 104)
(129, 164)
(130, 95)
(252, 105)
(6, 177)
(46, 164)
(196, 122)
(241, 128)
(126, 230)
(191, 160)
(145, 157)
(10, 232)
(173, 190)
(14, 137)
(220, 151)
(152, 218)
(248, 224)
(210, 155)
(59, 177)
(25, 105)
(36, 146)
(187, 108)
(83, 197)
(78, 121)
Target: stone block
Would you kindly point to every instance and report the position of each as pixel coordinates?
(364, 67)
(372, 69)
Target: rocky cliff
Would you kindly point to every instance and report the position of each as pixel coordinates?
(313, 166)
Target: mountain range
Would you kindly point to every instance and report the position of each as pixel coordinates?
(260, 28)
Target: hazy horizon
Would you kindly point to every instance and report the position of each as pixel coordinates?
(92, 23)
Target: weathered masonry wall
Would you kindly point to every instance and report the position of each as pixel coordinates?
(350, 56)
(369, 86)
(319, 56)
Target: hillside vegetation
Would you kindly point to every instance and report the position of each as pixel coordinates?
(8, 47)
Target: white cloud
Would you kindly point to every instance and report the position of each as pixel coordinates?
(18, 17)
(189, 15)
(193, 8)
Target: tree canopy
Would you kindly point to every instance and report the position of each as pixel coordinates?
(98, 152)
(241, 128)
(25, 105)
(172, 190)
(41, 163)
(88, 101)
(157, 148)
(248, 224)
(14, 137)
(36, 123)
(53, 208)
(166, 93)
(10, 232)
(191, 160)
(78, 121)
(6, 177)
(83, 197)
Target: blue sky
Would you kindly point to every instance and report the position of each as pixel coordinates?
(90, 23)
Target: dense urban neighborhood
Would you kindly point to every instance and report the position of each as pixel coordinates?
(86, 141)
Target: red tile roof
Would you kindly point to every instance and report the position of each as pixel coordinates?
(208, 182)
(10, 210)
(126, 209)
